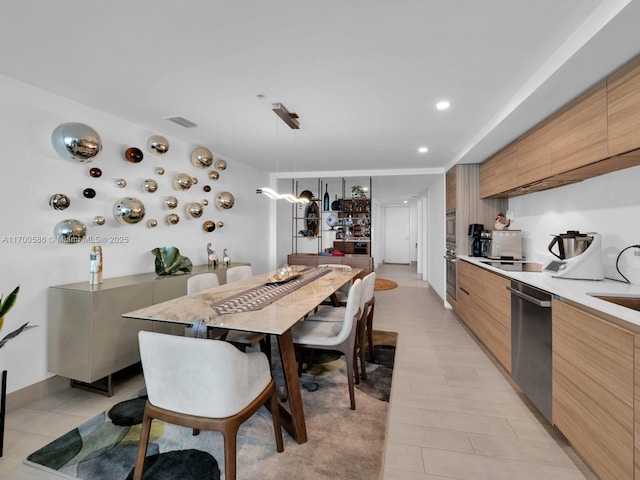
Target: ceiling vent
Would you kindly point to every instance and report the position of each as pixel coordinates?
(183, 122)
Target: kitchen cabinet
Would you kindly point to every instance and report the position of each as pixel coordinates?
(534, 155)
(623, 108)
(469, 207)
(484, 304)
(636, 406)
(451, 189)
(593, 389)
(579, 131)
(500, 172)
(596, 133)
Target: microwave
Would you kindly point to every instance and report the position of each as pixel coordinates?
(502, 244)
(451, 223)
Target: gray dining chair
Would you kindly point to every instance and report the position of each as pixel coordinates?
(239, 273)
(187, 387)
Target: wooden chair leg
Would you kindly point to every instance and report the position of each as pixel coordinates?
(275, 414)
(372, 351)
(229, 453)
(350, 374)
(142, 446)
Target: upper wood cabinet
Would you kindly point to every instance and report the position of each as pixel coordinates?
(579, 131)
(499, 173)
(593, 389)
(534, 155)
(451, 183)
(588, 137)
(623, 108)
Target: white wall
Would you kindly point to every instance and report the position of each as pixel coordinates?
(609, 204)
(435, 237)
(32, 171)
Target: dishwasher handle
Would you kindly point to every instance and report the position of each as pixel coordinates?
(529, 298)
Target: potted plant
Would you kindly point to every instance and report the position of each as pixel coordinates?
(6, 305)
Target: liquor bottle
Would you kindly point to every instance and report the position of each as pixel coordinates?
(326, 199)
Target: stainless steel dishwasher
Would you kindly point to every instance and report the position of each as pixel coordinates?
(531, 344)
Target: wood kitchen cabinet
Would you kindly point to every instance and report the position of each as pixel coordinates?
(579, 131)
(499, 173)
(593, 389)
(484, 304)
(636, 402)
(623, 108)
(451, 182)
(534, 155)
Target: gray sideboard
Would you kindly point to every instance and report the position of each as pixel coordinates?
(88, 340)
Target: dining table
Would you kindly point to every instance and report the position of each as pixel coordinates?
(260, 304)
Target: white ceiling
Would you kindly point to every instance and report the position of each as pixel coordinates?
(363, 75)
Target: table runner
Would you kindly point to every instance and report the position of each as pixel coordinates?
(259, 297)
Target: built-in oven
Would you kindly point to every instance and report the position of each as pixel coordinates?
(451, 225)
(452, 283)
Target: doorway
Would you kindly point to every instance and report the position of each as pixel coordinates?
(397, 235)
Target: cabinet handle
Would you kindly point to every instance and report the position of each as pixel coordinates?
(529, 298)
(463, 290)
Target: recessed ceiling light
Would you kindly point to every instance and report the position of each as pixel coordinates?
(423, 150)
(406, 201)
(443, 105)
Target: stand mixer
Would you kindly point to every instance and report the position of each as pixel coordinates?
(582, 263)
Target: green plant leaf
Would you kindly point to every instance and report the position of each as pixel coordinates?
(15, 333)
(8, 304)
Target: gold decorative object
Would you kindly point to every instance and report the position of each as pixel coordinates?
(121, 182)
(209, 226)
(182, 181)
(224, 200)
(159, 171)
(173, 219)
(59, 201)
(170, 202)
(152, 223)
(194, 210)
(194, 181)
(213, 175)
(95, 172)
(220, 224)
(221, 164)
(158, 145)
(99, 220)
(202, 157)
(149, 185)
(204, 202)
(170, 262)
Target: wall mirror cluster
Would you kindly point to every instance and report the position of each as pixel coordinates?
(81, 144)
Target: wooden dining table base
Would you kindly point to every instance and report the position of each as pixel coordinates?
(294, 422)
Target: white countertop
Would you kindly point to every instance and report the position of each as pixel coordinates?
(577, 291)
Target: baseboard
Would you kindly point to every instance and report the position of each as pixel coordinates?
(27, 395)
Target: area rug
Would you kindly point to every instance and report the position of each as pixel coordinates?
(383, 284)
(343, 443)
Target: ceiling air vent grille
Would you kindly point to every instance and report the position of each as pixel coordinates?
(183, 122)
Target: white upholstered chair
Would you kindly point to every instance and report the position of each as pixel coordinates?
(238, 273)
(186, 386)
(202, 281)
(338, 336)
(336, 314)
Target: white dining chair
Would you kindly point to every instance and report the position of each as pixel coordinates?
(336, 314)
(239, 273)
(338, 336)
(186, 386)
(202, 281)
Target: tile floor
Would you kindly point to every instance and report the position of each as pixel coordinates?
(453, 414)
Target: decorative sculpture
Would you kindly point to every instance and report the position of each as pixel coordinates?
(170, 262)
